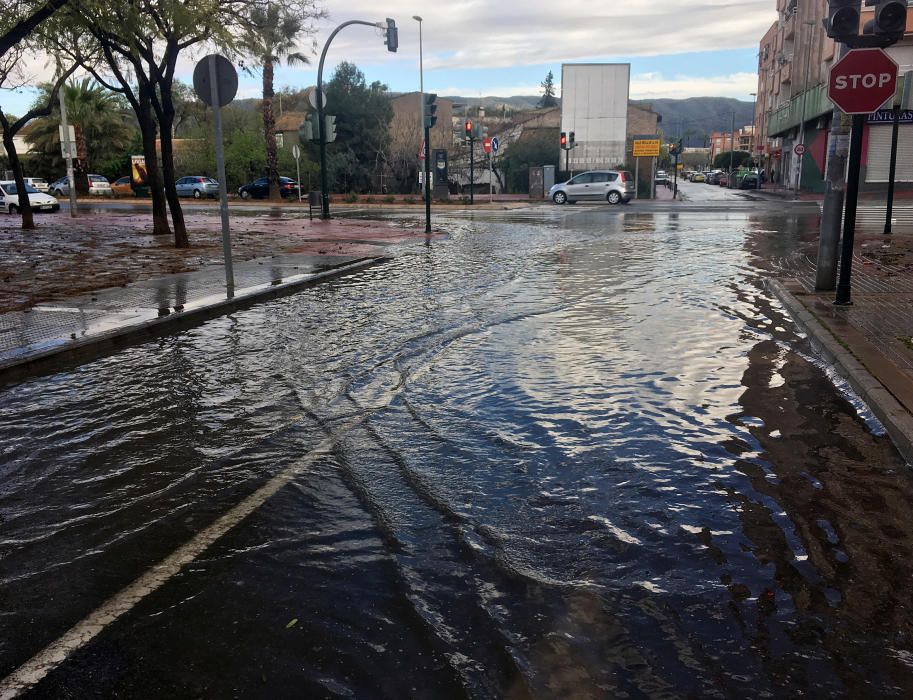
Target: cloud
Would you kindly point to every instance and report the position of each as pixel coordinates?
(654, 86)
(476, 34)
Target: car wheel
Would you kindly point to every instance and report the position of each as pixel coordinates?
(613, 198)
(559, 198)
(245, 194)
(14, 209)
(196, 194)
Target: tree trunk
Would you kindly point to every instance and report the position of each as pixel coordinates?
(166, 121)
(269, 130)
(81, 164)
(25, 207)
(165, 112)
(153, 176)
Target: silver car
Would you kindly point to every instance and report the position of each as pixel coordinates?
(98, 186)
(612, 186)
(197, 186)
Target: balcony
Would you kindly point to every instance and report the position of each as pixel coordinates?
(789, 116)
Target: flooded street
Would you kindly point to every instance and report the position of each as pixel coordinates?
(569, 452)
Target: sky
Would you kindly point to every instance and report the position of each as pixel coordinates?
(475, 48)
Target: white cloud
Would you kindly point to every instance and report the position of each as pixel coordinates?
(653, 86)
(477, 34)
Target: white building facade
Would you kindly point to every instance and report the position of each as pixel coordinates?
(594, 105)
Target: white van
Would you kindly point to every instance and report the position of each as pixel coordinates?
(39, 183)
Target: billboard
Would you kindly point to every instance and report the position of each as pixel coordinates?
(594, 105)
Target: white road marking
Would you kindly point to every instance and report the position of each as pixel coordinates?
(49, 658)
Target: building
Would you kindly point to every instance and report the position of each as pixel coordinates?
(594, 105)
(794, 60)
(740, 140)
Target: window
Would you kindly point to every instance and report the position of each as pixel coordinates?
(601, 177)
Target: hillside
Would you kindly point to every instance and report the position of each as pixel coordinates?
(694, 118)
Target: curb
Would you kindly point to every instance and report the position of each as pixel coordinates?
(91, 348)
(895, 418)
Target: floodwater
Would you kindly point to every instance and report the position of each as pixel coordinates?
(577, 454)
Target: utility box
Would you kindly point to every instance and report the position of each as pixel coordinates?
(548, 178)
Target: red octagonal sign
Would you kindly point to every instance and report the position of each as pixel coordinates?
(862, 81)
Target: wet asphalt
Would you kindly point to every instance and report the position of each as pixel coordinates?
(564, 451)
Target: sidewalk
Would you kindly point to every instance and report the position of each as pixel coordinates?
(76, 289)
(871, 342)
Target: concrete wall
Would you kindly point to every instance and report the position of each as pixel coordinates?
(594, 105)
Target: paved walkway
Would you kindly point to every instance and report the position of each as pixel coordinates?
(89, 325)
(876, 331)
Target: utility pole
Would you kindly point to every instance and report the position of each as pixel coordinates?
(731, 152)
(68, 147)
(906, 102)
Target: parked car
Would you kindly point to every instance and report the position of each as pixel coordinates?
(697, 177)
(197, 186)
(749, 181)
(39, 183)
(661, 177)
(98, 186)
(612, 186)
(259, 189)
(122, 187)
(723, 180)
(715, 177)
(9, 199)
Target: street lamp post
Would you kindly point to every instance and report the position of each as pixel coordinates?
(808, 64)
(754, 135)
(424, 127)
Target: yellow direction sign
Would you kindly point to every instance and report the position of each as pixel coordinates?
(646, 148)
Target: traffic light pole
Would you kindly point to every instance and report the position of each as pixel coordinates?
(324, 194)
(844, 294)
(472, 171)
(889, 212)
(427, 176)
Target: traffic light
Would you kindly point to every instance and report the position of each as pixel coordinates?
(563, 140)
(842, 19)
(430, 110)
(469, 132)
(570, 140)
(890, 19)
(484, 132)
(329, 122)
(308, 129)
(392, 36)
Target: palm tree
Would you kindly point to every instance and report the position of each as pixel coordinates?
(100, 118)
(271, 39)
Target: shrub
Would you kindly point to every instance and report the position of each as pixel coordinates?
(389, 199)
(351, 198)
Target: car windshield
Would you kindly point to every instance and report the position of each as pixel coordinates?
(10, 188)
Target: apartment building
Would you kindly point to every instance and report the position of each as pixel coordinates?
(794, 60)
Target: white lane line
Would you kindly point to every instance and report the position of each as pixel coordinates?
(49, 658)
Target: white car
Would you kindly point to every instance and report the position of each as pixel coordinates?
(9, 199)
(98, 185)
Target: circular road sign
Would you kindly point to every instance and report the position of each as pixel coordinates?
(495, 144)
(226, 80)
(862, 81)
(799, 149)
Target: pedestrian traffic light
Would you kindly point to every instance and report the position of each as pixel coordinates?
(890, 19)
(330, 124)
(842, 19)
(563, 140)
(430, 111)
(484, 132)
(468, 127)
(392, 36)
(570, 140)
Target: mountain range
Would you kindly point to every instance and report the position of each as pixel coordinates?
(692, 119)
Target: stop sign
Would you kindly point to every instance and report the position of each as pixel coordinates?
(862, 81)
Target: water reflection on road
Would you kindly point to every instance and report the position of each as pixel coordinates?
(596, 461)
